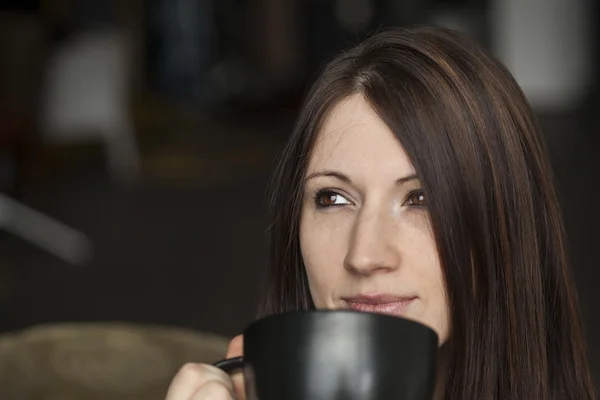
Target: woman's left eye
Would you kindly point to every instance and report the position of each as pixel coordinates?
(328, 198)
(416, 198)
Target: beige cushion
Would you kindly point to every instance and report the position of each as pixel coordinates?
(99, 361)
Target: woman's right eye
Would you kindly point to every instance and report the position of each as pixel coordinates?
(328, 198)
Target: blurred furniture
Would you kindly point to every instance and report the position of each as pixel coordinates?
(99, 361)
(86, 96)
(22, 49)
(547, 46)
(45, 232)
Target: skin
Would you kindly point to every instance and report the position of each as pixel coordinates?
(372, 236)
(205, 382)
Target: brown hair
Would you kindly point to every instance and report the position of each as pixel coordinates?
(472, 138)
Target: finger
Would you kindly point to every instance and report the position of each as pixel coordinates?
(236, 349)
(191, 377)
(213, 390)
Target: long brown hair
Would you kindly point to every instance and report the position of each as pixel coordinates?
(473, 140)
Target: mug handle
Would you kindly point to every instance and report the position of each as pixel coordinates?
(230, 364)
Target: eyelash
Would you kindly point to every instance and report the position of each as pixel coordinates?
(329, 192)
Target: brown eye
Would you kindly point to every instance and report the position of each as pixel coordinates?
(416, 199)
(330, 199)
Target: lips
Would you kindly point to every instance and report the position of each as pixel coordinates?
(380, 304)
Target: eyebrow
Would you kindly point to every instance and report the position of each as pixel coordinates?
(345, 178)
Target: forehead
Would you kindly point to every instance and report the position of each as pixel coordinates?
(354, 139)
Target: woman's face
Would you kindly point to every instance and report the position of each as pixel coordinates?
(365, 233)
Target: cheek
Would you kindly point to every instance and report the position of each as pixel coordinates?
(433, 280)
(439, 310)
(426, 270)
(323, 250)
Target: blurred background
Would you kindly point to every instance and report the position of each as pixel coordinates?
(137, 138)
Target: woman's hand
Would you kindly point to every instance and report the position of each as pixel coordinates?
(206, 382)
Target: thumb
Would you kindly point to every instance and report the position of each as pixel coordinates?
(236, 349)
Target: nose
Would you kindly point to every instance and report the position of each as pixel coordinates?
(373, 246)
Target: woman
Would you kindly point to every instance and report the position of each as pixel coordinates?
(416, 183)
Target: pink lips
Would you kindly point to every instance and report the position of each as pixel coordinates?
(381, 304)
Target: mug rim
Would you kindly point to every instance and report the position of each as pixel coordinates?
(320, 313)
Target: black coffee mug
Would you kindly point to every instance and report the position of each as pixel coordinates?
(337, 355)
